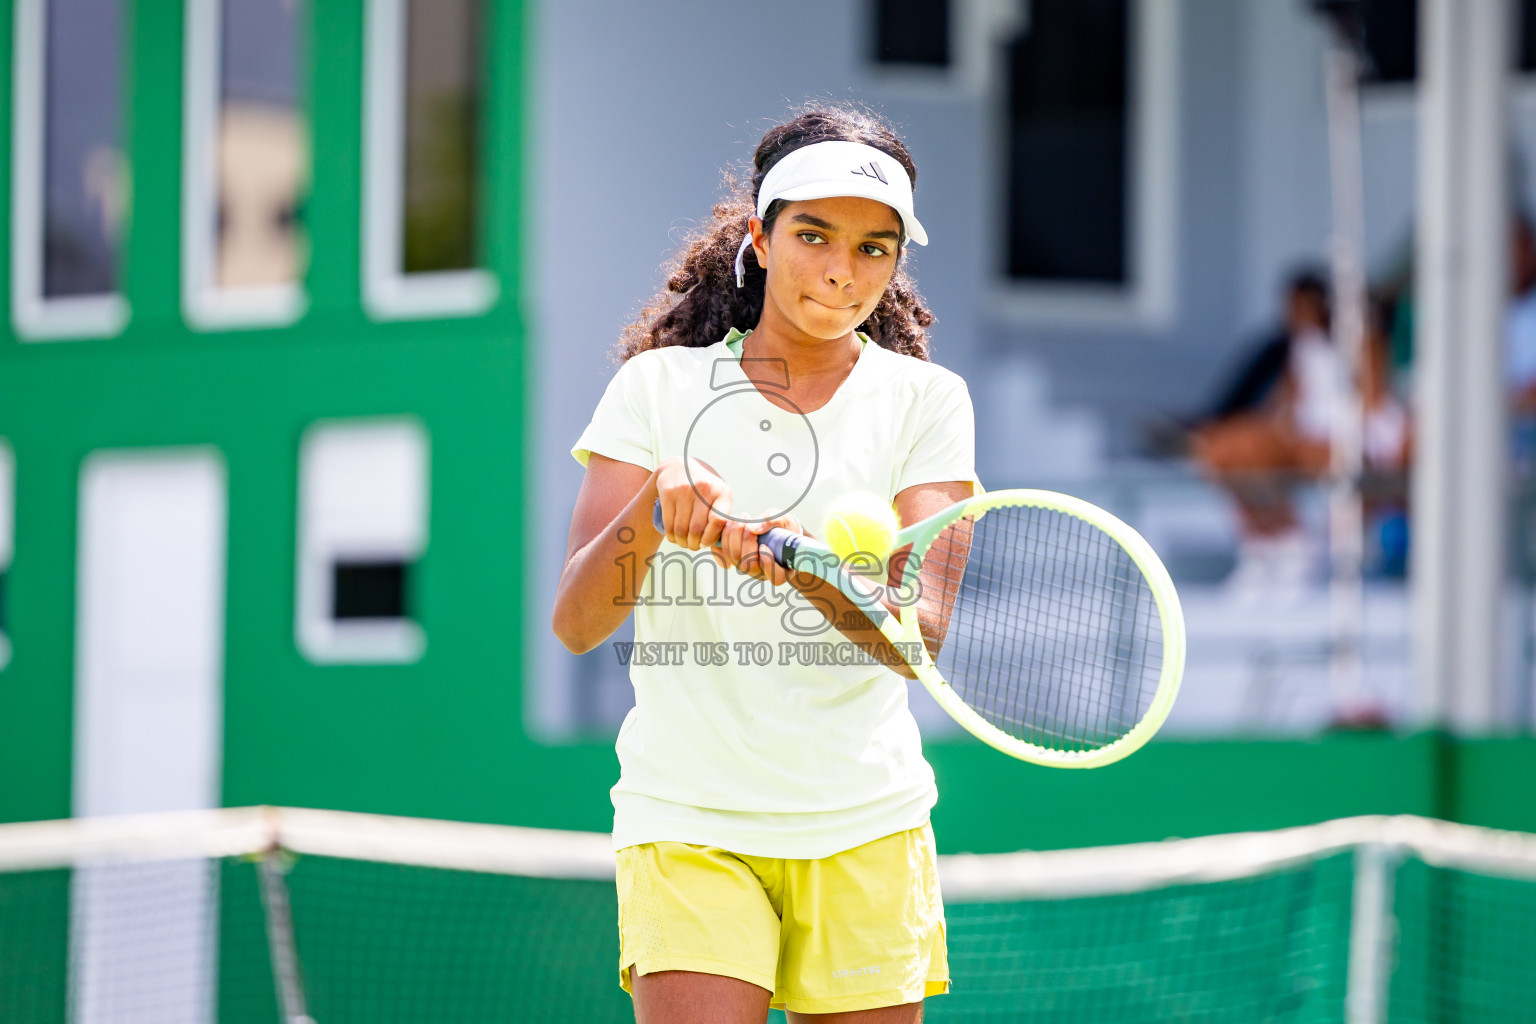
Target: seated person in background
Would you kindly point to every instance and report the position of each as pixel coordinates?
(1306, 315)
(1520, 343)
(1260, 374)
(1272, 427)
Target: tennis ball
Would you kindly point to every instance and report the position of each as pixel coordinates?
(861, 522)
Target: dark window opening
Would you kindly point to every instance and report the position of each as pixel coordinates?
(1526, 55)
(1391, 39)
(369, 590)
(442, 135)
(911, 32)
(1067, 143)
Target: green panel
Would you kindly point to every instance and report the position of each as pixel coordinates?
(34, 946)
(36, 687)
(383, 943)
(989, 803)
(1269, 948)
(246, 985)
(508, 88)
(335, 203)
(1466, 947)
(324, 728)
(1490, 782)
(153, 265)
(442, 737)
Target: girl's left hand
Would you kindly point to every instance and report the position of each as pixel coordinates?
(741, 549)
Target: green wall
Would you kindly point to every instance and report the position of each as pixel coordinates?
(987, 802)
(432, 735)
(1197, 788)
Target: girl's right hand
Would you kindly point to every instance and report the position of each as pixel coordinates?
(694, 502)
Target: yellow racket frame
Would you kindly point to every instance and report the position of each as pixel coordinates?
(904, 629)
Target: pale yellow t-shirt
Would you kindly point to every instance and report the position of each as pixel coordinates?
(801, 756)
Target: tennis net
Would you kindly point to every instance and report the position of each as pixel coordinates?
(275, 914)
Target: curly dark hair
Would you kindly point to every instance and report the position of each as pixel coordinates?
(701, 302)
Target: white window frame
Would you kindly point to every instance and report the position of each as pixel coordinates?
(364, 641)
(389, 293)
(34, 316)
(204, 304)
(1149, 298)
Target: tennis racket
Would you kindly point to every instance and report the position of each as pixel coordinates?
(1044, 625)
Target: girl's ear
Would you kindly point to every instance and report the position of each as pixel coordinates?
(759, 241)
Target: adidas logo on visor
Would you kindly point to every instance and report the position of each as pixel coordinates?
(871, 170)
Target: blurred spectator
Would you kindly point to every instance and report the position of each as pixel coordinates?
(1520, 342)
(1270, 429)
(1306, 314)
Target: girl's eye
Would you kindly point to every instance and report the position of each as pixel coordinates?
(870, 249)
(810, 237)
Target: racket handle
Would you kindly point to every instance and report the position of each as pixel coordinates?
(780, 542)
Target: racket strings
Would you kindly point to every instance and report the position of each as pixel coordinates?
(1044, 625)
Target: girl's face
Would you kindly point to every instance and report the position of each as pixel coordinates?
(828, 262)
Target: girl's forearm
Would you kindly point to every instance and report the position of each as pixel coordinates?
(849, 619)
(601, 581)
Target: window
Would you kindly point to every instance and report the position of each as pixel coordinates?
(362, 529)
(1067, 143)
(422, 195)
(1526, 48)
(247, 163)
(1390, 32)
(69, 177)
(1391, 39)
(369, 590)
(911, 33)
(936, 48)
(1089, 178)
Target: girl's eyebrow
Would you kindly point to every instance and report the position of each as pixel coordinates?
(817, 222)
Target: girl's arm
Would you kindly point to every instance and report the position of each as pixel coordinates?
(612, 537)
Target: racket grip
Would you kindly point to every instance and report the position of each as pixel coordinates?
(779, 541)
(781, 544)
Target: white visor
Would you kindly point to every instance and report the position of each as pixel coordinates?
(826, 169)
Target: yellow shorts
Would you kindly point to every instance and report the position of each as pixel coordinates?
(856, 930)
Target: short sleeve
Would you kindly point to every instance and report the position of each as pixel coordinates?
(621, 425)
(944, 445)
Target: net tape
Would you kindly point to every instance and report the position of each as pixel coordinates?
(548, 853)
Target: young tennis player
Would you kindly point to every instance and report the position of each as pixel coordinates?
(771, 817)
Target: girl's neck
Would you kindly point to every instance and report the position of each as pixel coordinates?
(807, 357)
